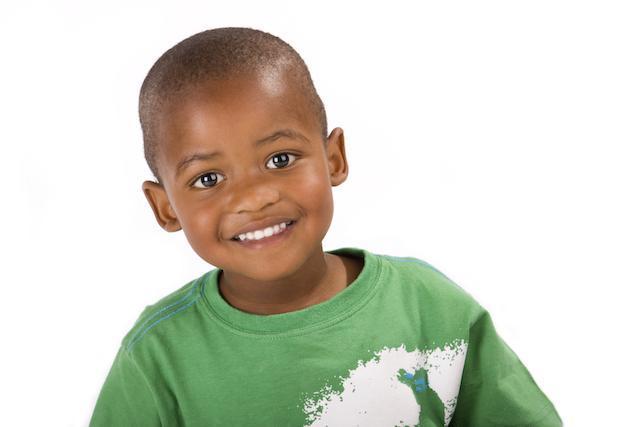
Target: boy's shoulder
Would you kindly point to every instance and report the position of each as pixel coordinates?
(164, 308)
(412, 277)
(416, 272)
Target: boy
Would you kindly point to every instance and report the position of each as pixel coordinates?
(283, 333)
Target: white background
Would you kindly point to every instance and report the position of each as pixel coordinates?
(498, 141)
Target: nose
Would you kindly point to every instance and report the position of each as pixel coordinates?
(253, 193)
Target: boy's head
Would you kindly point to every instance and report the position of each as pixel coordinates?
(247, 96)
(219, 54)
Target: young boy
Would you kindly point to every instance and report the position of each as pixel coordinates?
(282, 333)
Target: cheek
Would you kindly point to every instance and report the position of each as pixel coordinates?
(315, 189)
(199, 226)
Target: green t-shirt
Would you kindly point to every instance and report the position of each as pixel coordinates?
(402, 345)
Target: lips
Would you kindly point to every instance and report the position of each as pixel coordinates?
(261, 224)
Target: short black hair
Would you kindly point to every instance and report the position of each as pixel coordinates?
(219, 53)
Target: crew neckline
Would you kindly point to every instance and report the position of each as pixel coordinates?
(326, 313)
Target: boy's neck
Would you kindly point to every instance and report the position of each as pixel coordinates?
(322, 278)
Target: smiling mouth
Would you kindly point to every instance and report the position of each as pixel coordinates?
(267, 233)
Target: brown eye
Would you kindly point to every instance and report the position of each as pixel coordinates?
(281, 160)
(207, 180)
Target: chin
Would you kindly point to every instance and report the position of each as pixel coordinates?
(256, 269)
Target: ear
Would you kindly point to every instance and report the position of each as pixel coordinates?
(336, 157)
(159, 202)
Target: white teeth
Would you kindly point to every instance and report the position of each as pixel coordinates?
(261, 234)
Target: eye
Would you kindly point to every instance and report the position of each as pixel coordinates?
(207, 180)
(281, 160)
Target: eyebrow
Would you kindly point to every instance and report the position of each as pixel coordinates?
(196, 157)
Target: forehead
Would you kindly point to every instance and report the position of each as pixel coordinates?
(215, 114)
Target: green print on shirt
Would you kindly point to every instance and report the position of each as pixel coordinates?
(432, 408)
(374, 392)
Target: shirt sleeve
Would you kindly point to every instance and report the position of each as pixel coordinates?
(125, 398)
(496, 388)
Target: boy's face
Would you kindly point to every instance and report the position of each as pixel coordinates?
(215, 197)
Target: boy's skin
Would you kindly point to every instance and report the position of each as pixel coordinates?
(230, 116)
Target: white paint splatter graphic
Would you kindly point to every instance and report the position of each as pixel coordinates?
(374, 396)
